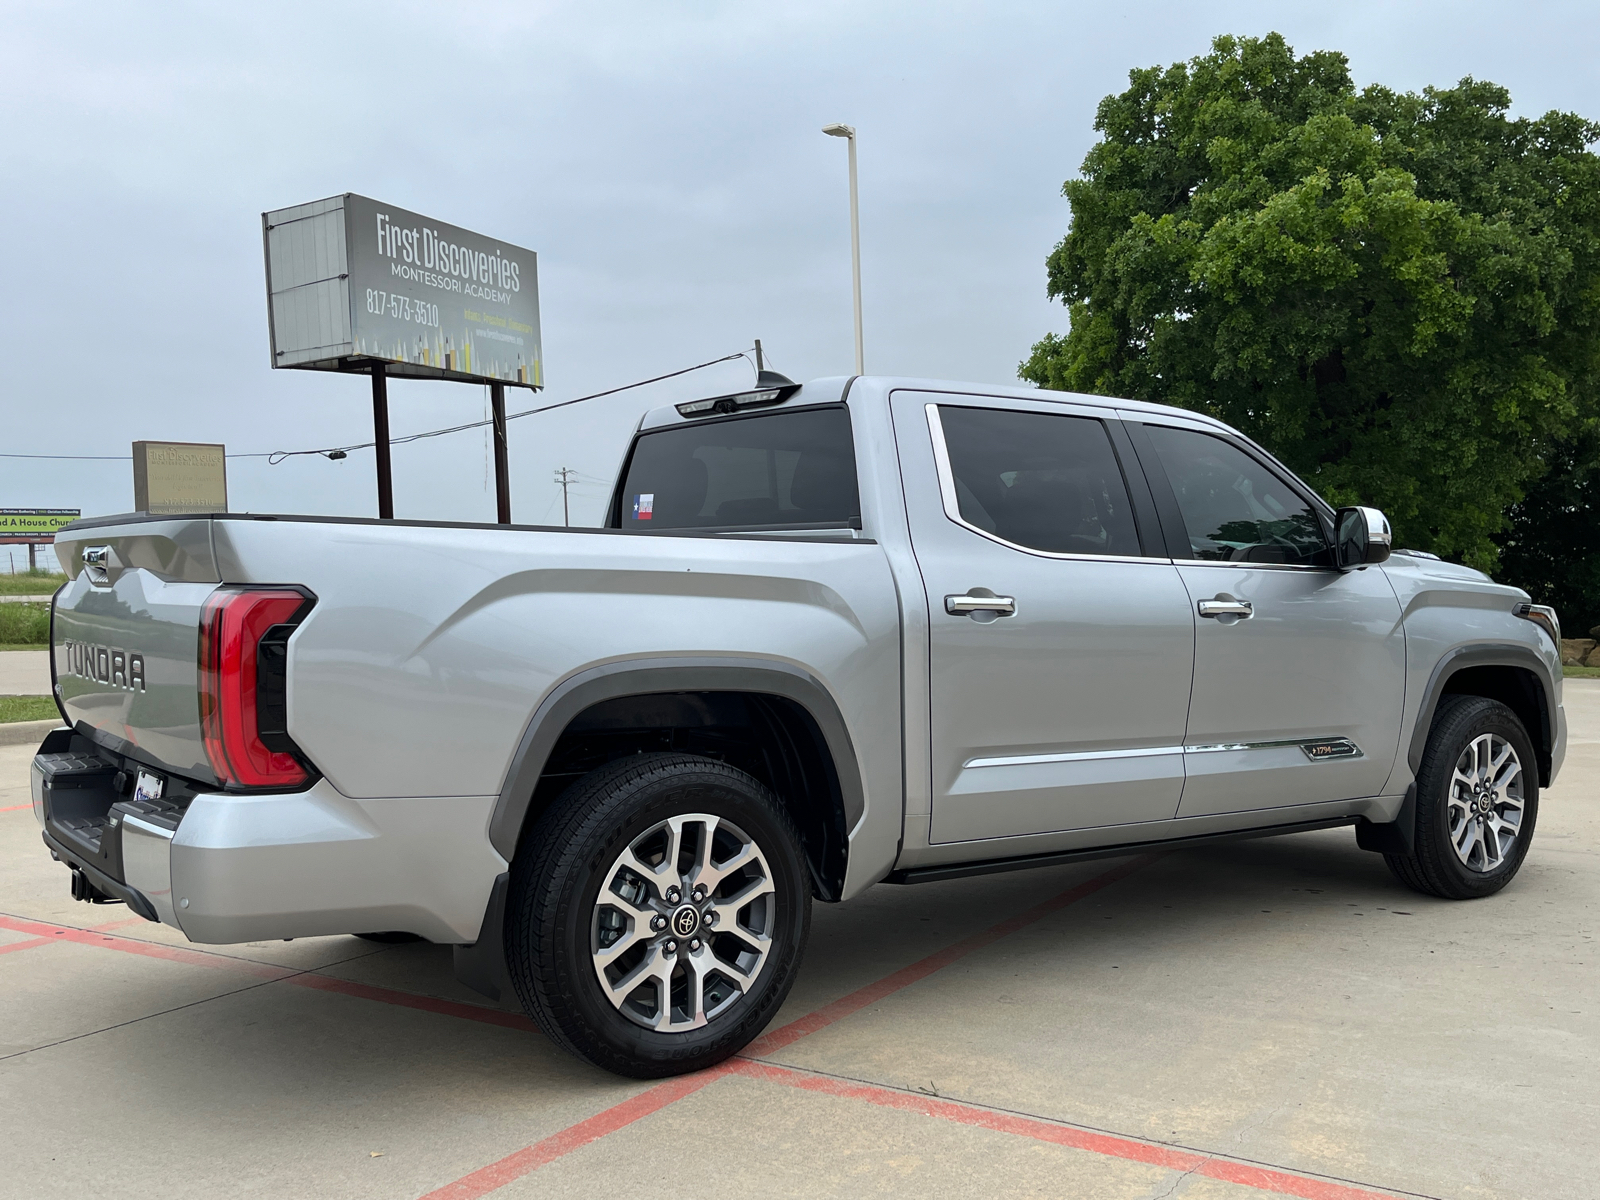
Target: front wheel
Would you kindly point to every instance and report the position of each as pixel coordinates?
(1477, 800)
(657, 914)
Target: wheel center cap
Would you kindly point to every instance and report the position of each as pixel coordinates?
(685, 921)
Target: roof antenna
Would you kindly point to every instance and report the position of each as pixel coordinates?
(766, 378)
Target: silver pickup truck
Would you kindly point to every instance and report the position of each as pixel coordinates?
(858, 631)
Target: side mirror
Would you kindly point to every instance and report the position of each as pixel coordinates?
(1362, 538)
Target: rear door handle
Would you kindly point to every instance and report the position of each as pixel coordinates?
(977, 601)
(1226, 608)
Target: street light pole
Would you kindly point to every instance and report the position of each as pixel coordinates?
(848, 132)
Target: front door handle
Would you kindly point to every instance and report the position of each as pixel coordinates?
(979, 600)
(1226, 608)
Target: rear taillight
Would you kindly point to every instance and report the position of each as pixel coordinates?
(242, 637)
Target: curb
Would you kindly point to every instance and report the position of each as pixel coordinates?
(24, 733)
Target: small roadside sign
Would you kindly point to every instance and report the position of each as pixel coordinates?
(34, 525)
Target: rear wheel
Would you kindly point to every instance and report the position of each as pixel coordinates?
(657, 914)
(1477, 800)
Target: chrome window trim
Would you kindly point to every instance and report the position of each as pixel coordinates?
(1301, 744)
(1244, 442)
(1254, 566)
(952, 506)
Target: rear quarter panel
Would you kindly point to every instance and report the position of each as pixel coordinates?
(430, 647)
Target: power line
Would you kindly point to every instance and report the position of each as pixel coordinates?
(277, 456)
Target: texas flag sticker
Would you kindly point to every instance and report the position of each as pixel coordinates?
(643, 505)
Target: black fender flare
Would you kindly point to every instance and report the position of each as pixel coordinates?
(481, 965)
(1399, 836)
(656, 675)
(1503, 654)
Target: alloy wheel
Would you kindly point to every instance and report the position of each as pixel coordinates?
(1485, 805)
(683, 922)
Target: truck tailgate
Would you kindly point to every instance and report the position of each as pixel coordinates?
(125, 639)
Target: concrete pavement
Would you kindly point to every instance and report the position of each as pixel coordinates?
(24, 672)
(1269, 1018)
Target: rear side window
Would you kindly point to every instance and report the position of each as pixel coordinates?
(770, 471)
(1043, 481)
(1235, 509)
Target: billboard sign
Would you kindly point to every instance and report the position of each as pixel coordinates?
(180, 477)
(37, 525)
(351, 280)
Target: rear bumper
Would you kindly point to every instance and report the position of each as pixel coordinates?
(240, 868)
(252, 868)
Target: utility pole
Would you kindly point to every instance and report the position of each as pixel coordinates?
(761, 364)
(564, 478)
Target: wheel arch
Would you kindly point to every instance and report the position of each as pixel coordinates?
(798, 741)
(1511, 674)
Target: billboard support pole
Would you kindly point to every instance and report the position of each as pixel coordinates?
(32, 565)
(502, 463)
(380, 438)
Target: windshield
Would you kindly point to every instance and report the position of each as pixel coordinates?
(776, 470)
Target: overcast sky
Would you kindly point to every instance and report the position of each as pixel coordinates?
(663, 159)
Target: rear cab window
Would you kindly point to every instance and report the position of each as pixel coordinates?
(1038, 481)
(770, 470)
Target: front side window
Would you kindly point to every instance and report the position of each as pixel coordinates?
(1043, 481)
(769, 471)
(1236, 510)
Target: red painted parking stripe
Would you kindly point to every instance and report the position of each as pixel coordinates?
(433, 1004)
(514, 1166)
(59, 932)
(324, 983)
(27, 945)
(16, 808)
(921, 969)
(89, 937)
(1267, 1179)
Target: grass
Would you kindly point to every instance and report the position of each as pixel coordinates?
(27, 708)
(30, 583)
(1571, 672)
(25, 624)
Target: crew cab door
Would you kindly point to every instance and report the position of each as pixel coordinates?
(1060, 650)
(1299, 672)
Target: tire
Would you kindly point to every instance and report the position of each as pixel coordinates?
(723, 982)
(1452, 808)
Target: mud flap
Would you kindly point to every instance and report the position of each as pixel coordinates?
(1392, 837)
(482, 965)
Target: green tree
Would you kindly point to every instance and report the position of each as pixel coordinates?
(1397, 294)
(1551, 544)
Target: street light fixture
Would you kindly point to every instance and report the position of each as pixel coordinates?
(848, 132)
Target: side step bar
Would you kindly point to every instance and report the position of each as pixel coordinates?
(993, 866)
